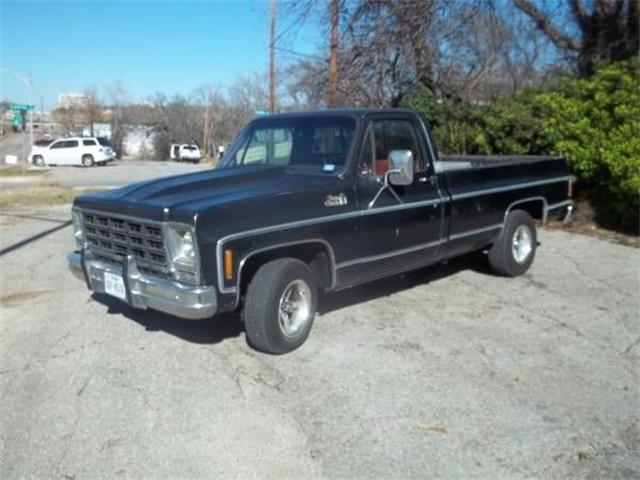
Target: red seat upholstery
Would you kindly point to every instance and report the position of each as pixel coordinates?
(382, 166)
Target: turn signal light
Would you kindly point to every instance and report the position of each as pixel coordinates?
(228, 264)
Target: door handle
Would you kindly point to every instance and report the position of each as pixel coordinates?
(429, 179)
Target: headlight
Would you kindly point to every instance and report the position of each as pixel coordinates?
(78, 233)
(181, 245)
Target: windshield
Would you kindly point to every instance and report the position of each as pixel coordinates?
(317, 145)
(104, 142)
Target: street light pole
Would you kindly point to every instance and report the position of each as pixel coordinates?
(29, 82)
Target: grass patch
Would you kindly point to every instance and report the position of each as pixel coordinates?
(19, 171)
(39, 195)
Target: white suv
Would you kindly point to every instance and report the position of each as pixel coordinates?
(85, 151)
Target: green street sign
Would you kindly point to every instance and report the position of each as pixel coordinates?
(261, 112)
(18, 107)
(17, 120)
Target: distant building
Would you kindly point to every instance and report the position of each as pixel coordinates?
(71, 99)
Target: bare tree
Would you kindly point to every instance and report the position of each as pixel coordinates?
(91, 110)
(118, 97)
(249, 92)
(605, 29)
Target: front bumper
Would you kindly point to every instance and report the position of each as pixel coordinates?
(143, 291)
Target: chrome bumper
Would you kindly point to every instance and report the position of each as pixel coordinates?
(567, 205)
(143, 291)
(567, 216)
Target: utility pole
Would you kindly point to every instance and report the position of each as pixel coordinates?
(333, 58)
(272, 60)
(32, 107)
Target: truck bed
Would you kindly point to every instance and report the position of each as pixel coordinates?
(465, 162)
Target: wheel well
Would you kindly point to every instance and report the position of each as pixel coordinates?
(534, 207)
(315, 254)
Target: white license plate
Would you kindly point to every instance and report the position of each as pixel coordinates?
(114, 285)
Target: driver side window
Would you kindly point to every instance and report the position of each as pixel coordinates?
(382, 137)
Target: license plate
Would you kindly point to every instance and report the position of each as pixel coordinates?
(114, 285)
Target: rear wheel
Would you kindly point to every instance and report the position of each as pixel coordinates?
(87, 161)
(515, 249)
(280, 306)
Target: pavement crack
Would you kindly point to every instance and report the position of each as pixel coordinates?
(627, 350)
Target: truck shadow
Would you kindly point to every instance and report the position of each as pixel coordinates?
(229, 325)
(208, 331)
(332, 301)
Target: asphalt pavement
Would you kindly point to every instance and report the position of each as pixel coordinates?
(113, 175)
(446, 372)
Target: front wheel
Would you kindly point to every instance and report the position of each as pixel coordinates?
(515, 249)
(280, 306)
(39, 161)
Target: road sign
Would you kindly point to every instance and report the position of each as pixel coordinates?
(16, 107)
(261, 112)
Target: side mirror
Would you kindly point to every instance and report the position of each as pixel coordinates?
(400, 167)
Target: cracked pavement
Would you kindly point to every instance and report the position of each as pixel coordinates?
(445, 372)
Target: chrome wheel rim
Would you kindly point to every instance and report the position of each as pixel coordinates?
(522, 243)
(294, 308)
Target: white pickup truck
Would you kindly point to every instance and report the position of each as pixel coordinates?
(185, 153)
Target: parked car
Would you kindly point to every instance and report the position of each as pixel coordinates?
(85, 151)
(39, 146)
(185, 153)
(310, 201)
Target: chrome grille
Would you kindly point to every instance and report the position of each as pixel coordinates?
(112, 239)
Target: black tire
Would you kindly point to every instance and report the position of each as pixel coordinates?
(502, 257)
(87, 161)
(262, 308)
(195, 162)
(38, 161)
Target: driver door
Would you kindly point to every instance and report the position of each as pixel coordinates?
(401, 225)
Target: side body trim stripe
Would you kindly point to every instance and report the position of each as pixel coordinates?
(476, 193)
(374, 211)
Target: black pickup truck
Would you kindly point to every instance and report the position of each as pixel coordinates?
(307, 201)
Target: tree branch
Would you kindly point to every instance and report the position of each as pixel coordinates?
(544, 24)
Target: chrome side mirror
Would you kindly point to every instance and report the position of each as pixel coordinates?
(400, 167)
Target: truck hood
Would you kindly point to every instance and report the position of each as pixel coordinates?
(180, 197)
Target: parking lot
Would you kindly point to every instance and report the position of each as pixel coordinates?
(112, 175)
(449, 371)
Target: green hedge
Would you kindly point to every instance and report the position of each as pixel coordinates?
(594, 122)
